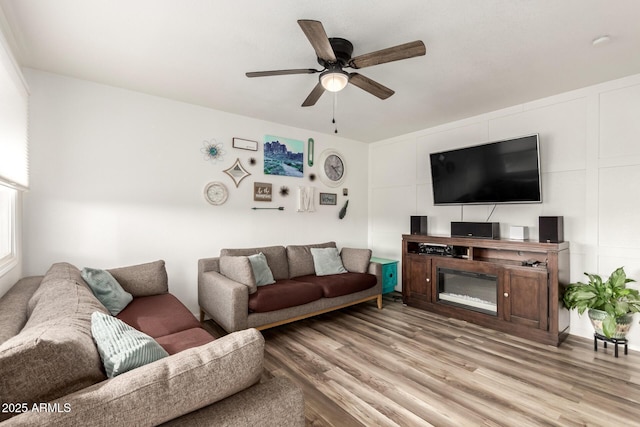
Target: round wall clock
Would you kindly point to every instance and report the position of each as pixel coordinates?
(216, 193)
(333, 168)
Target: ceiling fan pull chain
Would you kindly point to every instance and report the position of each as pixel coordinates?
(335, 104)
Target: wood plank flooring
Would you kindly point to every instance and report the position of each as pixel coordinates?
(401, 366)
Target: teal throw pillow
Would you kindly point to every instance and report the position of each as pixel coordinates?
(121, 347)
(106, 289)
(327, 261)
(261, 271)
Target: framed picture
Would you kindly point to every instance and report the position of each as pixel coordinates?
(262, 192)
(245, 144)
(283, 156)
(328, 198)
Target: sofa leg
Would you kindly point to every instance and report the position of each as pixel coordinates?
(201, 316)
(380, 302)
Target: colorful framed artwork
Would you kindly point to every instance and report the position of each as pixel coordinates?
(283, 156)
(328, 199)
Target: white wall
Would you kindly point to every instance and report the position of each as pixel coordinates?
(590, 158)
(117, 178)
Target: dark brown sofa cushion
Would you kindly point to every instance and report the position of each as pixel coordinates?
(337, 285)
(158, 315)
(283, 294)
(183, 340)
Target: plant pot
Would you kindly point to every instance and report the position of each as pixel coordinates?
(623, 323)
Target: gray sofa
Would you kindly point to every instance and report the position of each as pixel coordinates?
(51, 372)
(227, 294)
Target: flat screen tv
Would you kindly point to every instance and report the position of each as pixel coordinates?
(505, 171)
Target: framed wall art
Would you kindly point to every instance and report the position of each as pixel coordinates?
(245, 144)
(328, 199)
(283, 156)
(262, 192)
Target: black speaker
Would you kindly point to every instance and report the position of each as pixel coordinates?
(551, 229)
(419, 225)
(480, 230)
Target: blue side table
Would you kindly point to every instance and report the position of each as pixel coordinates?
(389, 273)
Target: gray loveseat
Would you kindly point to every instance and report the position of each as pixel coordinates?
(51, 372)
(227, 291)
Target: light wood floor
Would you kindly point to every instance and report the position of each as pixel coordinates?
(401, 366)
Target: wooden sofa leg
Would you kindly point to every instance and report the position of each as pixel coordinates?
(380, 302)
(201, 316)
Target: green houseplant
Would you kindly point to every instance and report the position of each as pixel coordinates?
(611, 304)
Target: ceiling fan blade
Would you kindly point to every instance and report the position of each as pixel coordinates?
(318, 39)
(371, 86)
(281, 72)
(313, 97)
(396, 53)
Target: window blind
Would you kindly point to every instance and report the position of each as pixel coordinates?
(14, 124)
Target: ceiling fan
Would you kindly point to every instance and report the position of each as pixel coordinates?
(334, 54)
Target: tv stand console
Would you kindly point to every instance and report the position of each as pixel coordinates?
(507, 285)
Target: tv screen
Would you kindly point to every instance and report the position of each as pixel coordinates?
(498, 172)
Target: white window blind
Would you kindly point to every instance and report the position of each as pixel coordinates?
(14, 105)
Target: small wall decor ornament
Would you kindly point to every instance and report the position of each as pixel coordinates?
(215, 193)
(343, 211)
(237, 172)
(212, 150)
(310, 151)
(305, 199)
(279, 208)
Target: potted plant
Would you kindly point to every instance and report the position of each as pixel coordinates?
(611, 304)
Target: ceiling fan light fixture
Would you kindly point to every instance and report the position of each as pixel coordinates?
(334, 80)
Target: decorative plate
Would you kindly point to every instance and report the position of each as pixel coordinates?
(216, 193)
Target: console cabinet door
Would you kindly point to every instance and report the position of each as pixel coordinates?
(525, 297)
(416, 279)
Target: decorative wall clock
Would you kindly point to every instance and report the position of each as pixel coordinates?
(333, 168)
(216, 193)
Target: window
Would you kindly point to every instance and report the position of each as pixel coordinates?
(14, 153)
(8, 252)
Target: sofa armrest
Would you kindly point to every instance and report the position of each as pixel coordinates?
(225, 300)
(375, 268)
(13, 306)
(208, 264)
(162, 390)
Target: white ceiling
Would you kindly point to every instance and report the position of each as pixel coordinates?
(481, 55)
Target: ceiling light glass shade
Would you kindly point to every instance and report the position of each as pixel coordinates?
(334, 80)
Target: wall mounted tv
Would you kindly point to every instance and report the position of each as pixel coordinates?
(505, 171)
